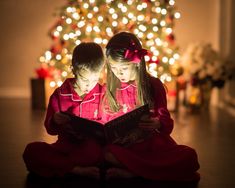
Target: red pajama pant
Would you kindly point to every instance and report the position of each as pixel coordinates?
(57, 159)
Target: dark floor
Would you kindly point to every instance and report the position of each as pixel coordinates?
(211, 132)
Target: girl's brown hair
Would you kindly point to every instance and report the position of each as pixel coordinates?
(115, 50)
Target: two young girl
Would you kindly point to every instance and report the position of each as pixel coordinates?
(128, 86)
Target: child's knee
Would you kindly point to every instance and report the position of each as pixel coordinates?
(109, 157)
(33, 149)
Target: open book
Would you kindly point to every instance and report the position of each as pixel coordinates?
(113, 131)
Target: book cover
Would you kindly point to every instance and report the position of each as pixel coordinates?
(113, 131)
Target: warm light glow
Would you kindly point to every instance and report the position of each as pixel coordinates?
(168, 30)
(154, 20)
(86, 5)
(111, 10)
(158, 10)
(144, 5)
(114, 24)
(163, 11)
(71, 35)
(100, 18)
(155, 28)
(68, 20)
(140, 34)
(150, 35)
(69, 9)
(76, 16)
(147, 58)
(163, 23)
(96, 9)
(154, 58)
(105, 41)
(59, 83)
(130, 15)
(66, 37)
(114, 16)
(56, 34)
(77, 42)
(177, 15)
(171, 61)
(96, 29)
(88, 28)
(98, 40)
(124, 20)
(142, 28)
(164, 59)
(64, 74)
(58, 57)
(120, 5)
(89, 15)
(81, 24)
(158, 41)
(176, 56)
(52, 84)
(59, 28)
(156, 52)
(140, 17)
(78, 32)
(129, 2)
(42, 59)
(151, 21)
(124, 9)
(139, 7)
(171, 2)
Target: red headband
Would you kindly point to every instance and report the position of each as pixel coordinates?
(135, 55)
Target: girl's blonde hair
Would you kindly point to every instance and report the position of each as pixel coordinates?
(115, 50)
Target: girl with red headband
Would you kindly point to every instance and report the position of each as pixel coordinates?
(157, 157)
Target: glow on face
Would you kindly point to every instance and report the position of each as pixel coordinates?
(125, 72)
(86, 80)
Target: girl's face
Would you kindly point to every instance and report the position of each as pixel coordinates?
(125, 72)
(86, 80)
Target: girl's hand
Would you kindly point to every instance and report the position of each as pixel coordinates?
(149, 123)
(60, 118)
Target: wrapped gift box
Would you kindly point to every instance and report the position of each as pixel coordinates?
(40, 93)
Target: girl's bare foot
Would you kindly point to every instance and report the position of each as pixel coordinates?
(90, 171)
(118, 173)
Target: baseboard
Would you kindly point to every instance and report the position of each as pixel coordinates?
(14, 93)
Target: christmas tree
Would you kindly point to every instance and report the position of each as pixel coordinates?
(98, 20)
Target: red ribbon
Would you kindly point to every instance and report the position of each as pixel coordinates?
(135, 55)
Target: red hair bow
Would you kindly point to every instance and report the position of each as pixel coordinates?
(135, 55)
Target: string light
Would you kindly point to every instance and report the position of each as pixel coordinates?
(76, 16)
(150, 20)
(66, 37)
(68, 20)
(52, 84)
(89, 15)
(100, 18)
(86, 5)
(59, 28)
(96, 9)
(177, 15)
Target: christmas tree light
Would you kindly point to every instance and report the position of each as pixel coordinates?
(98, 20)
